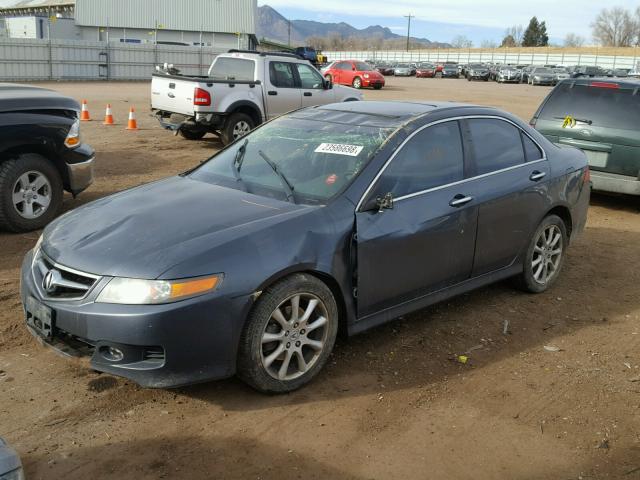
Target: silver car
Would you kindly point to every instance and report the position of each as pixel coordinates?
(403, 70)
(10, 465)
(509, 74)
(542, 76)
(561, 74)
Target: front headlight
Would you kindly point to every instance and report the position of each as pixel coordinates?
(133, 291)
(73, 137)
(366, 75)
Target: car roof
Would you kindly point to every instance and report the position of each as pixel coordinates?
(374, 113)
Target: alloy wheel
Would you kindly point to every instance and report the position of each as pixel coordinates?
(240, 129)
(547, 254)
(357, 83)
(31, 195)
(294, 336)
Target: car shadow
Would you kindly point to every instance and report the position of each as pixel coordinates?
(181, 456)
(422, 349)
(627, 203)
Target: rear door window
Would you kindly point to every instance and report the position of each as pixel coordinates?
(496, 145)
(604, 107)
(281, 74)
(227, 68)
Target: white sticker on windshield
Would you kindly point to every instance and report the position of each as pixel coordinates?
(339, 149)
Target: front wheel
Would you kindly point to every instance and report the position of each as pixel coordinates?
(289, 335)
(545, 256)
(30, 193)
(236, 126)
(357, 82)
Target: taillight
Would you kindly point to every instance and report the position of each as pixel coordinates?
(605, 85)
(587, 176)
(201, 97)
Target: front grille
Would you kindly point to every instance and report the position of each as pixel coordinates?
(58, 282)
(153, 353)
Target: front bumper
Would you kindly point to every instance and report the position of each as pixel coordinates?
(163, 346)
(543, 81)
(479, 77)
(80, 163)
(615, 183)
(372, 82)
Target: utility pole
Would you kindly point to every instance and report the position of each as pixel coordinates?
(409, 17)
(289, 28)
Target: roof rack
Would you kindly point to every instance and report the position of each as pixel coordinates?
(264, 54)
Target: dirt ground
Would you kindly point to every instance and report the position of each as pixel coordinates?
(392, 403)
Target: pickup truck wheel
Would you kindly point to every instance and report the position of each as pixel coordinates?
(30, 193)
(190, 134)
(237, 126)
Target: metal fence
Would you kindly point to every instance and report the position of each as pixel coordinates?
(30, 60)
(502, 55)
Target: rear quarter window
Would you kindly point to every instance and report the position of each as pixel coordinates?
(226, 68)
(604, 107)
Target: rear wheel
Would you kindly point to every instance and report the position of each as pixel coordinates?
(357, 83)
(328, 78)
(192, 134)
(289, 335)
(236, 126)
(545, 256)
(30, 193)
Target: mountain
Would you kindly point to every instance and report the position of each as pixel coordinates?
(273, 26)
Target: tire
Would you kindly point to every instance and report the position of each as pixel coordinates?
(19, 175)
(191, 134)
(377, 87)
(528, 279)
(253, 354)
(237, 125)
(357, 83)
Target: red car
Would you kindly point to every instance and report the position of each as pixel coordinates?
(426, 70)
(354, 73)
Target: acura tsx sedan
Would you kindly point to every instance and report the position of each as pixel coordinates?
(340, 217)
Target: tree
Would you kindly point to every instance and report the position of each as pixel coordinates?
(515, 33)
(536, 34)
(573, 40)
(488, 44)
(460, 41)
(615, 27)
(508, 41)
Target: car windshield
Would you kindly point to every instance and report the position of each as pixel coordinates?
(363, 67)
(317, 159)
(476, 65)
(542, 70)
(605, 107)
(426, 65)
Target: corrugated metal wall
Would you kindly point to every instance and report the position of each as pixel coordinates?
(230, 16)
(500, 56)
(30, 60)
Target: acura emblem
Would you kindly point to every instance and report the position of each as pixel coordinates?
(51, 281)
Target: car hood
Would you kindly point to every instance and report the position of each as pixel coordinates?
(143, 232)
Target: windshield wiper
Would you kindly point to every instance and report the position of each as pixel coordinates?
(237, 163)
(283, 179)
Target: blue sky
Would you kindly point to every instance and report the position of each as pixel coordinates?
(442, 20)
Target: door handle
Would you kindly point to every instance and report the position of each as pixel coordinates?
(460, 200)
(536, 175)
(308, 94)
(171, 95)
(272, 92)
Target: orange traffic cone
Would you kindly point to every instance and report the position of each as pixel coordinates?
(132, 124)
(108, 116)
(84, 114)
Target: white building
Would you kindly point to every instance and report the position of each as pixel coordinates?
(222, 24)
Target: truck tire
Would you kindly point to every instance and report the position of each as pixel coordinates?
(30, 193)
(237, 125)
(192, 134)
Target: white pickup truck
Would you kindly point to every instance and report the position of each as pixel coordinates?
(242, 90)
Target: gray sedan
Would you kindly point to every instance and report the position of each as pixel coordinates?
(542, 76)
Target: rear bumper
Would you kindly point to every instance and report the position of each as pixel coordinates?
(614, 183)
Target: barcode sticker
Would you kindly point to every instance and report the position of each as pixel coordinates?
(339, 149)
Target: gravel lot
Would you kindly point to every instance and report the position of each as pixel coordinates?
(391, 403)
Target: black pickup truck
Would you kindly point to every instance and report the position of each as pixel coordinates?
(41, 154)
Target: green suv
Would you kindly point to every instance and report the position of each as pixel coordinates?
(602, 118)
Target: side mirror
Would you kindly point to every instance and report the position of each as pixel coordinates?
(327, 84)
(385, 203)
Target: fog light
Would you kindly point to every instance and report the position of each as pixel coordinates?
(111, 354)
